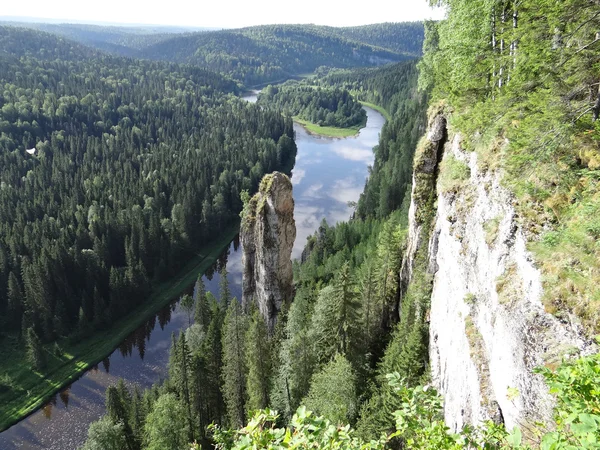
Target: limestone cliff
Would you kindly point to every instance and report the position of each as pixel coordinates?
(267, 236)
(488, 326)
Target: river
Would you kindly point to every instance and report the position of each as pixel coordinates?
(328, 174)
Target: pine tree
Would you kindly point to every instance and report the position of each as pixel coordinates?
(258, 362)
(335, 321)
(234, 367)
(202, 312)
(212, 357)
(35, 351)
(15, 299)
(224, 292)
(297, 361)
(180, 376)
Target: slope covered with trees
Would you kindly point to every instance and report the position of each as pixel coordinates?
(393, 88)
(404, 37)
(324, 107)
(124, 41)
(325, 353)
(255, 55)
(113, 173)
(267, 53)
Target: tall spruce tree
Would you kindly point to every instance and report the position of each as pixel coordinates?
(258, 362)
(35, 350)
(234, 364)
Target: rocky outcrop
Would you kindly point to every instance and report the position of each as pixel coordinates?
(488, 326)
(425, 170)
(267, 236)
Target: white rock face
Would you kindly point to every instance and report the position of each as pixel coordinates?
(488, 327)
(267, 237)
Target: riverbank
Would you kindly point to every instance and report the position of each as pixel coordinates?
(379, 109)
(31, 390)
(334, 132)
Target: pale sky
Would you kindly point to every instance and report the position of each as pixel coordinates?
(224, 13)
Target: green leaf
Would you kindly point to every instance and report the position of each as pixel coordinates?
(515, 437)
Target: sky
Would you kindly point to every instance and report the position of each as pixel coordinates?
(223, 13)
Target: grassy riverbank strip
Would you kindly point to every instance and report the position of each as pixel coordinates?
(377, 108)
(31, 390)
(334, 132)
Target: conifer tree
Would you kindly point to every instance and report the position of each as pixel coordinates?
(202, 312)
(180, 376)
(224, 292)
(212, 358)
(258, 362)
(234, 364)
(35, 351)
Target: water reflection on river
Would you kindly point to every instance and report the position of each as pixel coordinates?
(328, 174)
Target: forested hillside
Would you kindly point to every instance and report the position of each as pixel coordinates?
(324, 107)
(268, 53)
(124, 41)
(329, 353)
(519, 81)
(113, 173)
(256, 55)
(404, 37)
(391, 87)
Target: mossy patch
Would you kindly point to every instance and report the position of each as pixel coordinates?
(491, 228)
(508, 286)
(453, 174)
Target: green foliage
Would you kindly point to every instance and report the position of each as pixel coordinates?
(305, 432)
(266, 53)
(233, 371)
(576, 385)
(104, 434)
(165, 427)
(522, 80)
(332, 392)
(35, 351)
(326, 107)
(453, 174)
(297, 361)
(137, 200)
(258, 362)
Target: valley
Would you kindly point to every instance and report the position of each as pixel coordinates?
(282, 235)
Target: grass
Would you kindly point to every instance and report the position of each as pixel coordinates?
(329, 131)
(453, 174)
(23, 391)
(378, 108)
(491, 228)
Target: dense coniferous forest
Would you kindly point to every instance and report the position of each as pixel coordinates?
(404, 38)
(123, 41)
(327, 352)
(113, 173)
(324, 107)
(260, 54)
(353, 345)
